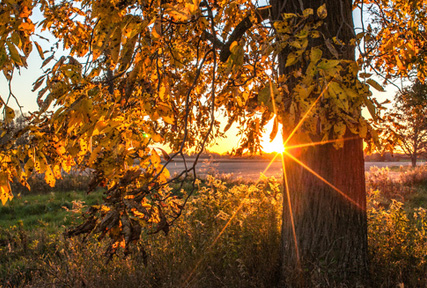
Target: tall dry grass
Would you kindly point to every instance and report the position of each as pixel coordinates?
(245, 255)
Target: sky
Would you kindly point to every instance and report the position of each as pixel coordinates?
(22, 86)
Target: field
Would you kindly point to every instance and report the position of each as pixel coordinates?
(34, 252)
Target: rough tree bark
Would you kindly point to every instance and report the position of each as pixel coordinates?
(331, 232)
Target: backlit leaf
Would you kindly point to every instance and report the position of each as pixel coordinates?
(9, 114)
(371, 107)
(5, 191)
(39, 49)
(14, 54)
(275, 129)
(375, 84)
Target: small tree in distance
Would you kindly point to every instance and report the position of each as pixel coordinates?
(408, 122)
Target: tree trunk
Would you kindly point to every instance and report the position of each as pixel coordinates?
(414, 160)
(330, 229)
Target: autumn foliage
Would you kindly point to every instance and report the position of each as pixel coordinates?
(141, 74)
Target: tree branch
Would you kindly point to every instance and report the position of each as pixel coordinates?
(262, 13)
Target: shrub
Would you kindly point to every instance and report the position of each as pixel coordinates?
(414, 177)
(397, 245)
(391, 185)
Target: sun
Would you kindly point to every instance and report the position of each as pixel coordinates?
(274, 146)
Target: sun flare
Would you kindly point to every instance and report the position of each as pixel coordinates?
(274, 146)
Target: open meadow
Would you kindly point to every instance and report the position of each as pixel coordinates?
(227, 236)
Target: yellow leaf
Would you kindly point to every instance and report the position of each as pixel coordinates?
(302, 92)
(157, 30)
(337, 90)
(322, 12)
(3, 56)
(168, 119)
(115, 46)
(155, 158)
(9, 114)
(339, 130)
(179, 14)
(329, 66)
(156, 138)
(57, 171)
(363, 129)
(288, 15)
(14, 53)
(307, 12)
(94, 154)
(371, 107)
(293, 58)
(234, 46)
(67, 164)
(375, 84)
(99, 126)
(315, 55)
(5, 191)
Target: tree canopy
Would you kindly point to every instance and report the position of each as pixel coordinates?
(139, 74)
(406, 122)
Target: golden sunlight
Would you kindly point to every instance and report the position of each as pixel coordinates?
(272, 146)
(275, 146)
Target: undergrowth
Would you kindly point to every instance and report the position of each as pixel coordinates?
(397, 227)
(198, 252)
(245, 255)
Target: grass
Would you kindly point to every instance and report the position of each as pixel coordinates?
(45, 210)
